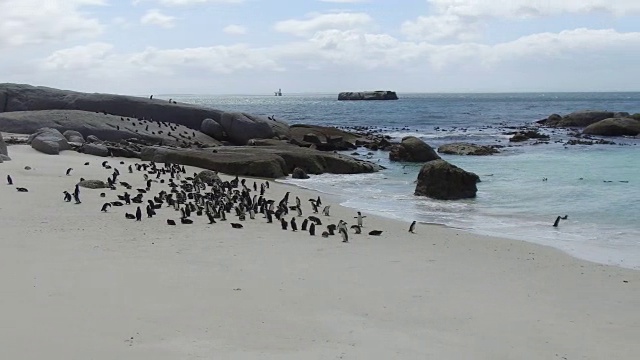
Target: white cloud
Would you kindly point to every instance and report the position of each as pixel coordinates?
(78, 57)
(189, 2)
(27, 22)
(235, 30)
(464, 19)
(319, 22)
(157, 18)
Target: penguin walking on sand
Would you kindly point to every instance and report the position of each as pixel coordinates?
(76, 194)
(67, 196)
(359, 217)
(325, 211)
(138, 214)
(9, 180)
(304, 224)
(412, 227)
(294, 226)
(345, 235)
(312, 229)
(284, 224)
(69, 171)
(105, 207)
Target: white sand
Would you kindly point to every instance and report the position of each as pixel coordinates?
(76, 283)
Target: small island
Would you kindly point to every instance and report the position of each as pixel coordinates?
(368, 95)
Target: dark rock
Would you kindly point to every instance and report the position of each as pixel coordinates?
(466, 149)
(48, 141)
(209, 177)
(412, 149)
(579, 118)
(312, 138)
(241, 127)
(325, 138)
(73, 136)
(441, 180)
(368, 95)
(525, 135)
(212, 128)
(614, 127)
(95, 150)
(298, 173)
(93, 184)
(93, 139)
(3, 146)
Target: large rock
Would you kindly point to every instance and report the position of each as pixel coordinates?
(74, 136)
(441, 180)
(95, 150)
(49, 141)
(466, 149)
(241, 127)
(299, 173)
(106, 127)
(212, 128)
(412, 149)
(93, 184)
(209, 177)
(3, 147)
(581, 118)
(267, 161)
(368, 95)
(323, 137)
(614, 127)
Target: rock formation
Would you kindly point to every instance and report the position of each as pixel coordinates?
(614, 127)
(441, 180)
(581, 118)
(241, 127)
(73, 136)
(212, 128)
(368, 95)
(3, 149)
(299, 173)
(466, 149)
(324, 138)
(49, 141)
(412, 149)
(106, 127)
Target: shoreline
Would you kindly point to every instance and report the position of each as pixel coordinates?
(150, 291)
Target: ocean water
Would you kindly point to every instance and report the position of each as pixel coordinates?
(597, 186)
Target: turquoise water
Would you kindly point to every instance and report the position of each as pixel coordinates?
(596, 186)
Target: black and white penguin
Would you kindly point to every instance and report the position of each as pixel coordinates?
(67, 196)
(555, 224)
(236, 226)
(375, 232)
(325, 211)
(304, 224)
(412, 227)
(312, 229)
(359, 217)
(186, 221)
(9, 180)
(105, 207)
(345, 235)
(356, 229)
(69, 171)
(284, 224)
(294, 226)
(138, 214)
(170, 222)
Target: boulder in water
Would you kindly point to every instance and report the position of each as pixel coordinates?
(412, 149)
(441, 180)
(614, 127)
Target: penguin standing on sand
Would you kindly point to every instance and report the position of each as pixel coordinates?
(69, 171)
(67, 196)
(304, 224)
(359, 217)
(345, 235)
(138, 214)
(284, 223)
(76, 194)
(9, 180)
(412, 227)
(105, 207)
(312, 229)
(294, 226)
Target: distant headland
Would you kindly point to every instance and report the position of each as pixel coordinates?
(368, 95)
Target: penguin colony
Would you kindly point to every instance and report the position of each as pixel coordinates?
(192, 197)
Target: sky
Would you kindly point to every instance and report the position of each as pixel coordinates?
(254, 47)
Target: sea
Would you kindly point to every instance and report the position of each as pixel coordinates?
(596, 186)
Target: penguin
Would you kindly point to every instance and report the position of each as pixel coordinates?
(170, 222)
(299, 210)
(359, 217)
(294, 226)
(69, 171)
(129, 216)
(87, 163)
(138, 214)
(325, 211)
(105, 206)
(356, 229)
(284, 224)
(304, 224)
(312, 229)
(375, 232)
(67, 196)
(315, 219)
(345, 235)
(9, 180)
(150, 211)
(331, 228)
(565, 217)
(76, 194)
(236, 226)
(555, 224)
(186, 221)
(212, 220)
(412, 227)
(325, 234)
(21, 189)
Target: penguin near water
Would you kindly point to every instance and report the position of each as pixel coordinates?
(345, 235)
(412, 227)
(555, 223)
(359, 217)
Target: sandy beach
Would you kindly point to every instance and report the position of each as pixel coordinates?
(81, 284)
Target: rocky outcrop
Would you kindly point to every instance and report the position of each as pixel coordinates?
(441, 180)
(48, 141)
(209, 177)
(241, 127)
(267, 161)
(298, 173)
(614, 127)
(412, 149)
(323, 137)
(73, 136)
(19, 97)
(581, 118)
(525, 135)
(368, 95)
(93, 184)
(212, 128)
(3, 147)
(105, 127)
(95, 150)
(466, 149)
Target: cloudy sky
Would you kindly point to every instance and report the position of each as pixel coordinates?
(321, 46)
